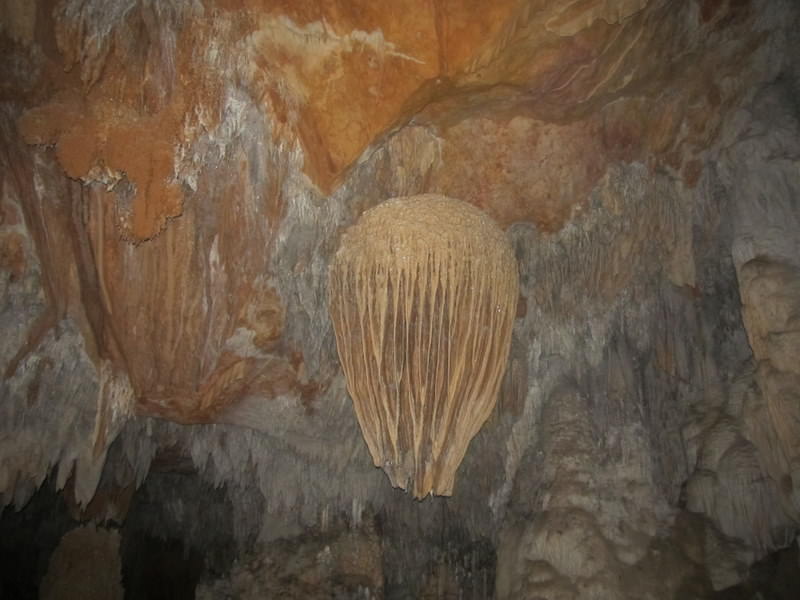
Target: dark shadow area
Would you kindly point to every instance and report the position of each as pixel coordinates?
(178, 529)
(433, 556)
(777, 577)
(28, 538)
(157, 569)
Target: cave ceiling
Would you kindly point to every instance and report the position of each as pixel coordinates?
(135, 100)
(177, 176)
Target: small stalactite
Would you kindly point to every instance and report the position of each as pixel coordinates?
(422, 294)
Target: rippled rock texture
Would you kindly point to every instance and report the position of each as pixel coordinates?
(174, 181)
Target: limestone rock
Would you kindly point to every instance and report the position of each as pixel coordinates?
(86, 564)
(343, 564)
(174, 181)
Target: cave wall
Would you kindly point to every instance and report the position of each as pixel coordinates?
(175, 179)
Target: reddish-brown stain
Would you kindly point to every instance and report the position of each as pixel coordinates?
(709, 8)
(691, 172)
(522, 307)
(12, 255)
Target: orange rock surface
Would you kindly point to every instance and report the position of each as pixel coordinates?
(163, 249)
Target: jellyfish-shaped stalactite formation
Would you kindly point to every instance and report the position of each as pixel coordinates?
(423, 293)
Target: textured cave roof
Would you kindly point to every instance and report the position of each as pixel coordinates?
(176, 178)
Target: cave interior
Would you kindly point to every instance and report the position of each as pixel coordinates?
(204, 363)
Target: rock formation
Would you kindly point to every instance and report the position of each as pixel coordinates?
(175, 178)
(85, 565)
(423, 294)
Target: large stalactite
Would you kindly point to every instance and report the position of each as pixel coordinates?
(423, 294)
